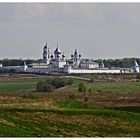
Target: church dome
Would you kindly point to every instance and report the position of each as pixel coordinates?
(46, 46)
(63, 55)
(57, 51)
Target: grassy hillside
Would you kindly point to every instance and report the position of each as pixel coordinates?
(68, 123)
(111, 109)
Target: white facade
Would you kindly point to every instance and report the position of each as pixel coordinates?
(75, 60)
(89, 65)
(57, 64)
(80, 70)
(38, 65)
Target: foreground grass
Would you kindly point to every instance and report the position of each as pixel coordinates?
(64, 118)
(68, 123)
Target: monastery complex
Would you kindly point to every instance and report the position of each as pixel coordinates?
(56, 62)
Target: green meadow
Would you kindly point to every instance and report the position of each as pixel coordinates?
(110, 109)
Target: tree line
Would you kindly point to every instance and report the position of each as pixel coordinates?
(18, 62)
(122, 63)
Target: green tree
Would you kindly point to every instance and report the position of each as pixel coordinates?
(44, 87)
(57, 83)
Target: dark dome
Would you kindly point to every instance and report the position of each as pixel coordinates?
(45, 47)
(57, 51)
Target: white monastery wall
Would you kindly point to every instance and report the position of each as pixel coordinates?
(93, 71)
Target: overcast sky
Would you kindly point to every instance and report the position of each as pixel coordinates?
(96, 30)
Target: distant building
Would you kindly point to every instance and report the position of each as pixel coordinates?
(57, 62)
(89, 64)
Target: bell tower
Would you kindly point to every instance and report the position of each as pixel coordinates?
(76, 59)
(46, 54)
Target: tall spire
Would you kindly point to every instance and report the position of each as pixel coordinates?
(75, 53)
(57, 50)
(136, 64)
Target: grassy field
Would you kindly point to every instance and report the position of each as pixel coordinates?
(111, 109)
(110, 87)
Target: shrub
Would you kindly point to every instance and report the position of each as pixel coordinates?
(57, 83)
(67, 81)
(49, 81)
(50, 84)
(47, 87)
(44, 87)
(81, 87)
(39, 86)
